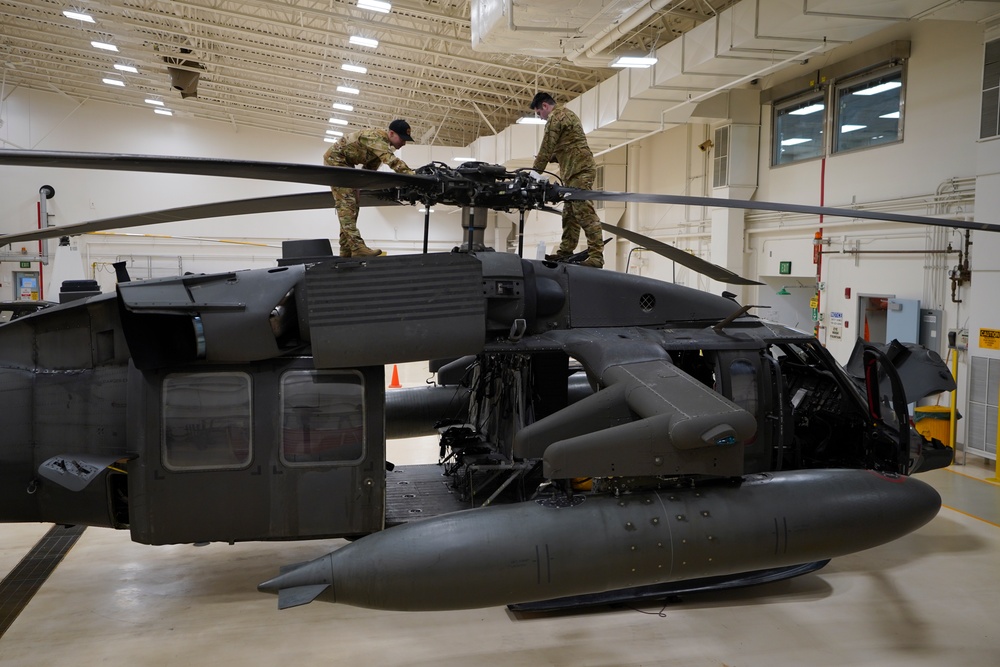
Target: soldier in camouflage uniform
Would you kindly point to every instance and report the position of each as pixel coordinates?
(564, 142)
(370, 149)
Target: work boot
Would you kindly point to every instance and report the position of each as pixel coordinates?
(558, 257)
(594, 261)
(345, 251)
(364, 251)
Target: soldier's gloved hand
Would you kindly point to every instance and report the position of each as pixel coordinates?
(538, 177)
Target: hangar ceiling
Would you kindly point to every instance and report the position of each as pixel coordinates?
(458, 70)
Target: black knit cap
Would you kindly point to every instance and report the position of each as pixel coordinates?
(402, 128)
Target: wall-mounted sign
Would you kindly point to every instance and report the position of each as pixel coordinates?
(785, 268)
(989, 339)
(25, 265)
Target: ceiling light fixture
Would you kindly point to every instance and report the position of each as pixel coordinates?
(113, 82)
(880, 88)
(795, 141)
(156, 103)
(104, 46)
(354, 68)
(893, 114)
(530, 120)
(363, 41)
(348, 90)
(86, 18)
(844, 129)
(126, 68)
(335, 133)
(634, 61)
(464, 159)
(342, 107)
(375, 6)
(338, 121)
(804, 111)
(330, 140)
(164, 112)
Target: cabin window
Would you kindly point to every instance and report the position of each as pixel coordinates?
(206, 421)
(322, 417)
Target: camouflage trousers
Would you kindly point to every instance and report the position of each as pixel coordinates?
(580, 214)
(345, 201)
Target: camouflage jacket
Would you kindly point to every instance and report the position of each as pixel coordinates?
(369, 148)
(564, 142)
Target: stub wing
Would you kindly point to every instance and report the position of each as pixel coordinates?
(651, 419)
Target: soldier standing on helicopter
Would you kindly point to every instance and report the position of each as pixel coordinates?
(564, 142)
(371, 149)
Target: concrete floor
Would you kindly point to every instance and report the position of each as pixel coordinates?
(930, 598)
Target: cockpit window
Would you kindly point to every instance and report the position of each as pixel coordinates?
(322, 417)
(206, 421)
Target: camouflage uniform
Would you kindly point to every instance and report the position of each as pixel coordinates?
(370, 149)
(564, 142)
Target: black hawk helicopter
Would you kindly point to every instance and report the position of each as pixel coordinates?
(603, 436)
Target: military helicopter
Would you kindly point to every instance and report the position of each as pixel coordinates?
(603, 436)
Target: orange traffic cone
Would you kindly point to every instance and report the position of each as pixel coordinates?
(395, 379)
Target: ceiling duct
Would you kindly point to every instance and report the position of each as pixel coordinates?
(184, 77)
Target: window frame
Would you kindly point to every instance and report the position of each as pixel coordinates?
(882, 72)
(798, 101)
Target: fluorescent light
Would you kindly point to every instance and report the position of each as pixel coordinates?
(795, 141)
(104, 46)
(342, 107)
(335, 133)
(530, 120)
(113, 82)
(338, 121)
(348, 90)
(844, 129)
(812, 108)
(634, 61)
(375, 6)
(164, 112)
(354, 68)
(881, 88)
(424, 210)
(86, 18)
(363, 41)
(330, 140)
(156, 103)
(464, 159)
(126, 68)
(894, 114)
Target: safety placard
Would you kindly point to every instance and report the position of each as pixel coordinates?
(989, 339)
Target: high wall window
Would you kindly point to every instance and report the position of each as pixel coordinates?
(799, 126)
(854, 112)
(869, 110)
(989, 123)
(322, 417)
(206, 421)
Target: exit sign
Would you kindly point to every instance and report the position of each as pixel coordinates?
(25, 265)
(785, 268)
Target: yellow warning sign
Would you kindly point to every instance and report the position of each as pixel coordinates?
(989, 339)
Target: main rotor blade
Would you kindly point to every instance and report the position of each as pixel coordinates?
(341, 177)
(294, 202)
(697, 264)
(564, 193)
